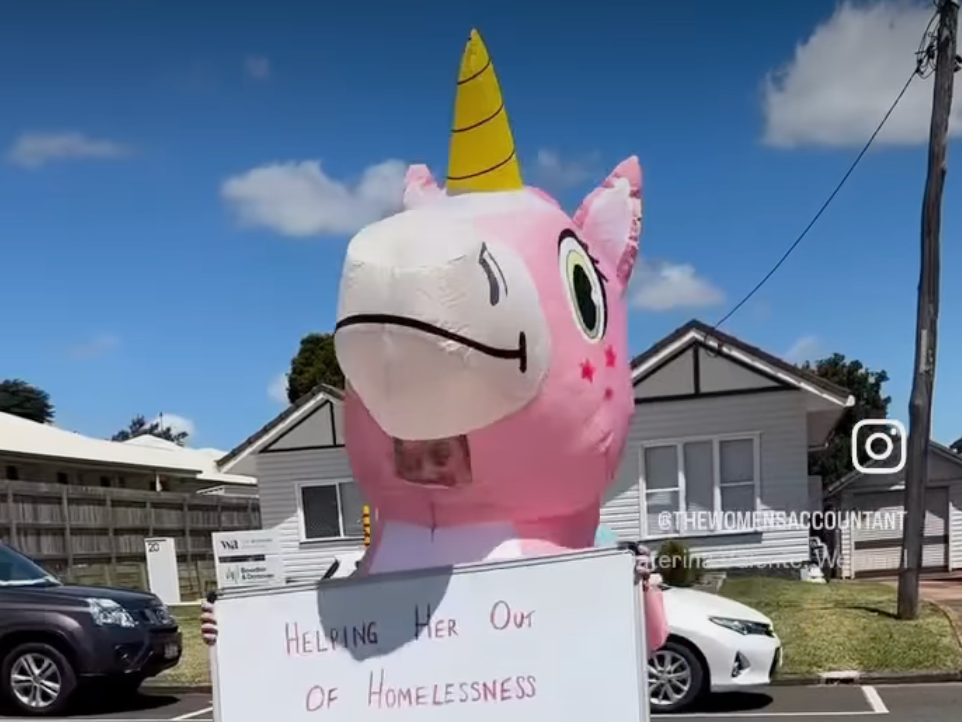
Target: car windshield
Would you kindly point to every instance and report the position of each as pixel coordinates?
(16, 570)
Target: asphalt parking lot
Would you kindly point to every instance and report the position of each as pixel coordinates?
(891, 703)
(143, 708)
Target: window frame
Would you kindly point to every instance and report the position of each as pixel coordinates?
(302, 528)
(679, 443)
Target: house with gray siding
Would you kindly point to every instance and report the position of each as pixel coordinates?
(307, 490)
(719, 426)
(875, 549)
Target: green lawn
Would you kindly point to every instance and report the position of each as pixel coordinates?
(848, 626)
(193, 667)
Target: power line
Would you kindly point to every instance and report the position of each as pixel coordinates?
(923, 62)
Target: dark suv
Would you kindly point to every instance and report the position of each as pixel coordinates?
(55, 638)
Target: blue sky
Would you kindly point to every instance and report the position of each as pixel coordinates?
(168, 237)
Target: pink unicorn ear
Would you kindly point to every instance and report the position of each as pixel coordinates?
(610, 218)
(419, 187)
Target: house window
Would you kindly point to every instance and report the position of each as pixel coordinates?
(62, 478)
(701, 476)
(105, 481)
(12, 473)
(330, 510)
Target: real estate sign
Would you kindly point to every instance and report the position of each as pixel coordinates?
(247, 558)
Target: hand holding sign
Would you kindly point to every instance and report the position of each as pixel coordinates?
(208, 624)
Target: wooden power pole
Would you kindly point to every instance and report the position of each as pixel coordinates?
(920, 405)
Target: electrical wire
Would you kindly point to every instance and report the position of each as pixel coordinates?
(924, 64)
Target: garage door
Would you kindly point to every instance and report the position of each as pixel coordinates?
(879, 551)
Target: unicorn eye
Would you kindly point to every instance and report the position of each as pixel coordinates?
(584, 285)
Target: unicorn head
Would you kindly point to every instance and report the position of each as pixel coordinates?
(483, 333)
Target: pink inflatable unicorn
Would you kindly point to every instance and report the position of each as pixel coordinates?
(483, 335)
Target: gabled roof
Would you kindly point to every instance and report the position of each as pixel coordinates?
(698, 332)
(276, 426)
(935, 447)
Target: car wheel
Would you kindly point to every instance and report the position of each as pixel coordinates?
(675, 677)
(37, 679)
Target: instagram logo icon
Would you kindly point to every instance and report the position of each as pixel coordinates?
(882, 451)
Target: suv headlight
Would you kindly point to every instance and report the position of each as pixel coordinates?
(162, 614)
(742, 626)
(107, 613)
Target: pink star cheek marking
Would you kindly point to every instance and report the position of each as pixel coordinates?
(611, 358)
(587, 371)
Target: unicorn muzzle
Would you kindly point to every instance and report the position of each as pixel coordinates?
(440, 330)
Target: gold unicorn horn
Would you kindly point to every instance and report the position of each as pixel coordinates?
(482, 154)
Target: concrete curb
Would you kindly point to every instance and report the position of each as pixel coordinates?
(177, 688)
(854, 677)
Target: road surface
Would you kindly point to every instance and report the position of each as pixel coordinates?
(889, 703)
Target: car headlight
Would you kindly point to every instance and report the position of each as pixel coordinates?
(743, 626)
(107, 613)
(162, 614)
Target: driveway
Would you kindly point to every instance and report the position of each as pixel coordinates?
(944, 589)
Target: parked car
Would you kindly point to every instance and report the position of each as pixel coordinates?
(55, 638)
(714, 645)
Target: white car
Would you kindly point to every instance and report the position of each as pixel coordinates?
(714, 645)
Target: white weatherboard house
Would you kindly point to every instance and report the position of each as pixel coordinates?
(720, 425)
(877, 549)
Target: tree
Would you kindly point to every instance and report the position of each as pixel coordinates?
(835, 461)
(138, 426)
(19, 398)
(315, 363)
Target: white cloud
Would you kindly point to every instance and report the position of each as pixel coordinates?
(34, 150)
(844, 77)
(298, 199)
(554, 171)
(277, 389)
(176, 423)
(804, 349)
(257, 67)
(99, 345)
(664, 286)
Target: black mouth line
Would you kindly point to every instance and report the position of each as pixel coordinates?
(387, 319)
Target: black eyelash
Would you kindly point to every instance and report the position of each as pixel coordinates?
(594, 261)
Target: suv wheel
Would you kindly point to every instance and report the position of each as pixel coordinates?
(675, 678)
(37, 679)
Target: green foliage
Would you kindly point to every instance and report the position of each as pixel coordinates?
(677, 565)
(138, 426)
(315, 363)
(19, 398)
(835, 461)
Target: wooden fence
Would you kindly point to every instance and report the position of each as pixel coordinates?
(94, 535)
